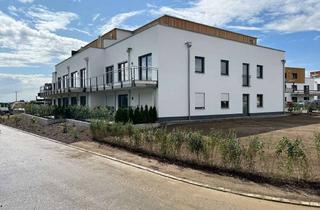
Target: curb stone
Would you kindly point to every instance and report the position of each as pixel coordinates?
(221, 189)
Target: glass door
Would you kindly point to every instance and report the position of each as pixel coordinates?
(245, 104)
(145, 64)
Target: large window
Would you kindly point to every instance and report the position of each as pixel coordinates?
(109, 75)
(199, 64)
(123, 101)
(65, 101)
(224, 100)
(74, 79)
(74, 101)
(145, 67)
(306, 98)
(294, 87)
(82, 77)
(123, 72)
(259, 71)
(306, 88)
(59, 82)
(245, 75)
(200, 101)
(260, 100)
(65, 81)
(294, 99)
(83, 100)
(224, 67)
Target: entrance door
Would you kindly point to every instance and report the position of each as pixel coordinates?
(245, 104)
(123, 101)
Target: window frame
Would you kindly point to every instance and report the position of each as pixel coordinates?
(204, 101)
(227, 67)
(260, 72)
(294, 75)
(109, 76)
(202, 64)
(260, 101)
(226, 102)
(246, 75)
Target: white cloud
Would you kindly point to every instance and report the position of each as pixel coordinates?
(27, 85)
(95, 17)
(46, 20)
(23, 45)
(316, 38)
(118, 20)
(283, 16)
(26, 1)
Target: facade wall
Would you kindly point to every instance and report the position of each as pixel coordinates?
(172, 91)
(313, 85)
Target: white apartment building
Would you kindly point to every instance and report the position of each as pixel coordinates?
(186, 70)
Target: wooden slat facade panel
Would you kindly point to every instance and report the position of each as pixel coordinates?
(300, 73)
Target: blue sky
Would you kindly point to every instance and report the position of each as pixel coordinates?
(36, 34)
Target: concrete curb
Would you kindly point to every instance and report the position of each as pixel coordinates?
(221, 189)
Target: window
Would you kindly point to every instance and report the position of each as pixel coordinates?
(224, 100)
(82, 78)
(59, 101)
(123, 101)
(318, 87)
(259, 71)
(260, 100)
(306, 88)
(145, 67)
(73, 101)
(285, 75)
(83, 100)
(245, 75)
(294, 87)
(123, 72)
(306, 98)
(65, 101)
(294, 99)
(294, 76)
(200, 101)
(109, 75)
(74, 79)
(59, 82)
(199, 64)
(65, 81)
(224, 67)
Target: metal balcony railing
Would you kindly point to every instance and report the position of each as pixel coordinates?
(120, 78)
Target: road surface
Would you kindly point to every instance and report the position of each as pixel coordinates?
(39, 174)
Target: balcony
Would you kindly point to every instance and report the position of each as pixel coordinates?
(116, 79)
(303, 92)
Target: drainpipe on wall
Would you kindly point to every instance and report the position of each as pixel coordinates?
(87, 79)
(284, 83)
(188, 44)
(129, 73)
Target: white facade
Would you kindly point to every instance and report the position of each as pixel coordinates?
(169, 57)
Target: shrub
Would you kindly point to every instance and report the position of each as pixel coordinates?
(293, 155)
(254, 149)
(317, 143)
(176, 139)
(196, 143)
(122, 115)
(230, 150)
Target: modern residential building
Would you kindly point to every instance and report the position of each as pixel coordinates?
(300, 88)
(187, 70)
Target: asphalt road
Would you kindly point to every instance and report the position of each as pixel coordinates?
(39, 174)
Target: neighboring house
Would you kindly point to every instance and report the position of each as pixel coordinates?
(299, 88)
(187, 70)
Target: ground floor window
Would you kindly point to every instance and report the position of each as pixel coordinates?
(83, 100)
(54, 102)
(224, 100)
(123, 101)
(306, 98)
(199, 100)
(294, 99)
(74, 101)
(65, 101)
(59, 101)
(260, 100)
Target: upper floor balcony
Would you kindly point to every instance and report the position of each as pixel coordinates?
(110, 80)
(306, 92)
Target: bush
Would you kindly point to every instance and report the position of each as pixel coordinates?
(231, 151)
(195, 143)
(139, 115)
(254, 149)
(293, 155)
(317, 143)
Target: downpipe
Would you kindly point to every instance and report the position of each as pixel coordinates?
(189, 45)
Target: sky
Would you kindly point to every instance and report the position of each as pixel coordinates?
(37, 34)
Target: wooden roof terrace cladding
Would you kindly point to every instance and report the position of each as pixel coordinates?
(198, 28)
(300, 72)
(98, 43)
